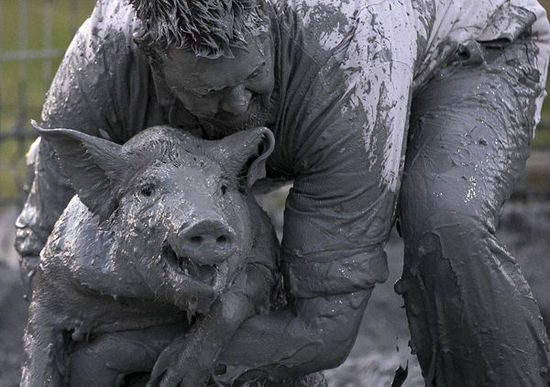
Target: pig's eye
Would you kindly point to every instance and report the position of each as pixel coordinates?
(147, 189)
(223, 189)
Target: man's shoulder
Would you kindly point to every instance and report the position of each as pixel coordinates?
(114, 17)
(104, 46)
(111, 26)
(104, 74)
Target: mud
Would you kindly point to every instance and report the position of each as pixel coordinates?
(343, 98)
(382, 344)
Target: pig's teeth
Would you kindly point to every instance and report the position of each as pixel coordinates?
(184, 265)
(190, 268)
(206, 271)
(193, 267)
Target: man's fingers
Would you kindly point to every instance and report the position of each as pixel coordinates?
(184, 377)
(164, 363)
(156, 376)
(172, 379)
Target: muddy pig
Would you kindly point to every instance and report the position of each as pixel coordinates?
(162, 251)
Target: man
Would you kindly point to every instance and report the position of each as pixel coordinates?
(346, 87)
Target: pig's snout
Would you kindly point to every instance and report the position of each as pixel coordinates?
(207, 242)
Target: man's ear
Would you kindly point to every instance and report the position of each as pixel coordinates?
(95, 167)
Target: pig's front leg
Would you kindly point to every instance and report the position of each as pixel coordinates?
(190, 358)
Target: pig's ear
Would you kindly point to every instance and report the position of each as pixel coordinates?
(94, 166)
(246, 152)
(264, 148)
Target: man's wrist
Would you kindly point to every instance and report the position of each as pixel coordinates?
(345, 273)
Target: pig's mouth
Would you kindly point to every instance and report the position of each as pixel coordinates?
(185, 266)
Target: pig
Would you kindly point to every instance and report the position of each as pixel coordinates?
(162, 250)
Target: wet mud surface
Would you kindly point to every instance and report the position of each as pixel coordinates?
(382, 344)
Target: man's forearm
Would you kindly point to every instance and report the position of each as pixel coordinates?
(283, 344)
(48, 195)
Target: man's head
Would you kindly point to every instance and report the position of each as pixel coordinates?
(215, 55)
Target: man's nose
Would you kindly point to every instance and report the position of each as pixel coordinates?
(236, 100)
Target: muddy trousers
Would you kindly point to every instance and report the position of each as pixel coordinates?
(472, 317)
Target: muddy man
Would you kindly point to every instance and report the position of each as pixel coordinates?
(416, 110)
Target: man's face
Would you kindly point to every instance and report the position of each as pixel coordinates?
(229, 93)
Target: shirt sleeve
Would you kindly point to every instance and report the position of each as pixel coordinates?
(342, 137)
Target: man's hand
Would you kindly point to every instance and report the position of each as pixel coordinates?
(189, 360)
(186, 362)
(260, 379)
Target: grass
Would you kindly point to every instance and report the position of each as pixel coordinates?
(65, 18)
(542, 135)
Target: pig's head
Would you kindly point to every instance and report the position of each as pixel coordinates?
(178, 206)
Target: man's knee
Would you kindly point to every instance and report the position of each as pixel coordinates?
(447, 243)
(430, 218)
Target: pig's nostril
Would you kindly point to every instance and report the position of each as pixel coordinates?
(200, 239)
(206, 242)
(196, 239)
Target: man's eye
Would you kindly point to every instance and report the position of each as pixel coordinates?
(259, 70)
(256, 72)
(147, 189)
(193, 93)
(204, 93)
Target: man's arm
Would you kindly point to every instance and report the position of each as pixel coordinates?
(317, 334)
(343, 139)
(335, 227)
(78, 99)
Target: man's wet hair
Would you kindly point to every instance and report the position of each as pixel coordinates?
(209, 28)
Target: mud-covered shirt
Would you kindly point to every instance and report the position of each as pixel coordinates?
(346, 74)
